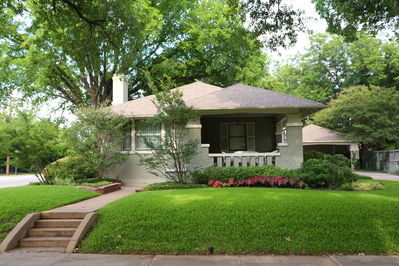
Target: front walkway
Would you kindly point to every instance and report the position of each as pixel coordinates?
(93, 204)
(19, 257)
(379, 176)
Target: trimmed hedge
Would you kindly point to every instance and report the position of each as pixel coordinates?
(172, 185)
(224, 174)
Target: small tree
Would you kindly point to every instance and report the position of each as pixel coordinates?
(172, 156)
(32, 143)
(97, 137)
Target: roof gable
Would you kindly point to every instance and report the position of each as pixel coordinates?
(317, 134)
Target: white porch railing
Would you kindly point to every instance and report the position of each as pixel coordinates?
(240, 159)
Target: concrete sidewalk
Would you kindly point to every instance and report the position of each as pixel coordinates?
(20, 257)
(93, 204)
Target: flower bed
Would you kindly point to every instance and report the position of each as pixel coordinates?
(260, 181)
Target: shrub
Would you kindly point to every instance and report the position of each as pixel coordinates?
(224, 174)
(325, 174)
(307, 155)
(337, 159)
(70, 169)
(172, 185)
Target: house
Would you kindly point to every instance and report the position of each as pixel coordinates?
(238, 125)
(329, 141)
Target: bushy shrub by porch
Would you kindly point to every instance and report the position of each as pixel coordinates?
(326, 172)
(224, 174)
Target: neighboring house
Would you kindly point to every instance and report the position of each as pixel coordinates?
(239, 125)
(329, 141)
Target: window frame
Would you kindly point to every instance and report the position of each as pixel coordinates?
(138, 135)
(238, 137)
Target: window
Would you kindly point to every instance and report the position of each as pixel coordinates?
(145, 130)
(238, 137)
(127, 143)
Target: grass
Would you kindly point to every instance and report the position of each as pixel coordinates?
(250, 221)
(16, 202)
(172, 185)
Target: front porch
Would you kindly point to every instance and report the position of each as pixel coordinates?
(250, 139)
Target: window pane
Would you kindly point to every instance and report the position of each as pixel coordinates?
(237, 144)
(127, 144)
(147, 129)
(237, 130)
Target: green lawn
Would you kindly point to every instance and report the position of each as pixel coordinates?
(250, 221)
(16, 202)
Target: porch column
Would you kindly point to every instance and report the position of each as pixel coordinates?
(291, 152)
(202, 159)
(354, 154)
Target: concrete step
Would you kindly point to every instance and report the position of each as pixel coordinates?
(57, 223)
(51, 232)
(63, 215)
(45, 242)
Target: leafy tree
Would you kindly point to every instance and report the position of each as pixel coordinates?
(172, 156)
(369, 115)
(31, 143)
(70, 49)
(346, 17)
(97, 137)
(330, 64)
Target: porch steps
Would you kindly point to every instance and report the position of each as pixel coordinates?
(53, 230)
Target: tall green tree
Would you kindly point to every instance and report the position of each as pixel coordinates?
(331, 64)
(70, 49)
(369, 115)
(347, 17)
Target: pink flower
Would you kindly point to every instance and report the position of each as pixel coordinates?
(231, 180)
(279, 177)
(279, 182)
(272, 181)
(292, 181)
(266, 179)
(285, 180)
(211, 182)
(254, 180)
(217, 184)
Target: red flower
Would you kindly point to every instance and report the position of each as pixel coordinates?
(266, 179)
(279, 177)
(279, 182)
(292, 181)
(272, 181)
(217, 184)
(231, 180)
(254, 180)
(211, 182)
(285, 180)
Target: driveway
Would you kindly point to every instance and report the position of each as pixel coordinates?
(379, 176)
(16, 180)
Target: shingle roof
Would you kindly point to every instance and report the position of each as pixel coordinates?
(203, 96)
(144, 107)
(317, 134)
(240, 96)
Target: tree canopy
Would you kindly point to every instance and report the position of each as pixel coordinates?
(70, 49)
(369, 115)
(347, 17)
(331, 64)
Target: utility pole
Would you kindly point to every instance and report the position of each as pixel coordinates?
(8, 168)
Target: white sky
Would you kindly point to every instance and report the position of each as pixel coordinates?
(316, 25)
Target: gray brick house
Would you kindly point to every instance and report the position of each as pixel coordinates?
(238, 126)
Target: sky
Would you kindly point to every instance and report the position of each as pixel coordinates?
(316, 25)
